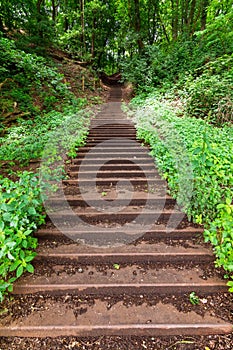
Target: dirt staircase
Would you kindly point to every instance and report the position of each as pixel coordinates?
(116, 257)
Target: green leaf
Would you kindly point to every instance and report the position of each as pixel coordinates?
(24, 243)
(116, 266)
(30, 268)
(10, 288)
(14, 266)
(3, 285)
(30, 257)
(7, 217)
(22, 254)
(31, 211)
(19, 271)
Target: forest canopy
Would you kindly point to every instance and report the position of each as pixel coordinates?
(106, 33)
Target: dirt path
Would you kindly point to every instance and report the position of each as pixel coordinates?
(116, 257)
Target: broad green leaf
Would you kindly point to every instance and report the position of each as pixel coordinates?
(30, 268)
(19, 271)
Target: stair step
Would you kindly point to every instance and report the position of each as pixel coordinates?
(97, 153)
(159, 233)
(117, 161)
(111, 198)
(105, 174)
(132, 254)
(114, 181)
(59, 319)
(140, 279)
(113, 167)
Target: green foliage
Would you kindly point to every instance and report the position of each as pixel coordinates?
(102, 33)
(21, 206)
(217, 38)
(220, 234)
(28, 139)
(194, 299)
(196, 159)
(210, 94)
(29, 82)
(21, 213)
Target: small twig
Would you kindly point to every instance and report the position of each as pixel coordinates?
(181, 342)
(90, 344)
(3, 82)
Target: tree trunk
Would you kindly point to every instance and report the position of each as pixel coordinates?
(175, 19)
(204, 9)
(54, 10)
(164, 28)
(137, 25)
(83, 40)
(38, 5)
(153, 14)
(191, 16)
(39, 16)
(1, 25)
(93, 38)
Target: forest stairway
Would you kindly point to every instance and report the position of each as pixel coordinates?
(122, 259)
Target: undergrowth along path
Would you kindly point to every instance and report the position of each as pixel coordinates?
(116, 257)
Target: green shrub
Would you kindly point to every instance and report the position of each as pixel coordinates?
(21, 207)
(196, 159)
(27, 78)
(21, 213)
(212, 97)
(28, 139)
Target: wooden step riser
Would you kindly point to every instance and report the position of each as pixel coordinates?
(130, 156)
(134, 258)
(135, 151)
(105, 290)
(154, 235)
(155, 203)
(140, 330)
(84, 175)
(119, 218)
(136, 161)
(114, 182)
(116, 167)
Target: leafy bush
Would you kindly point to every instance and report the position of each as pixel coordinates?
(28, 139)
(197, 161)
(21, 207)
(28, 80)
(210, 93)
(21, 213)
(217, 38)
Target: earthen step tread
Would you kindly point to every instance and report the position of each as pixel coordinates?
(159, 233)
(142, 253)
(100, 174)
(125, 160)
(120, 172)
(160, 229)
(139, 280)
(117, 155)
(111, 208)
(152, 197)
(114, 167)
(159, 248)
(61, 319)
(135, 180)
